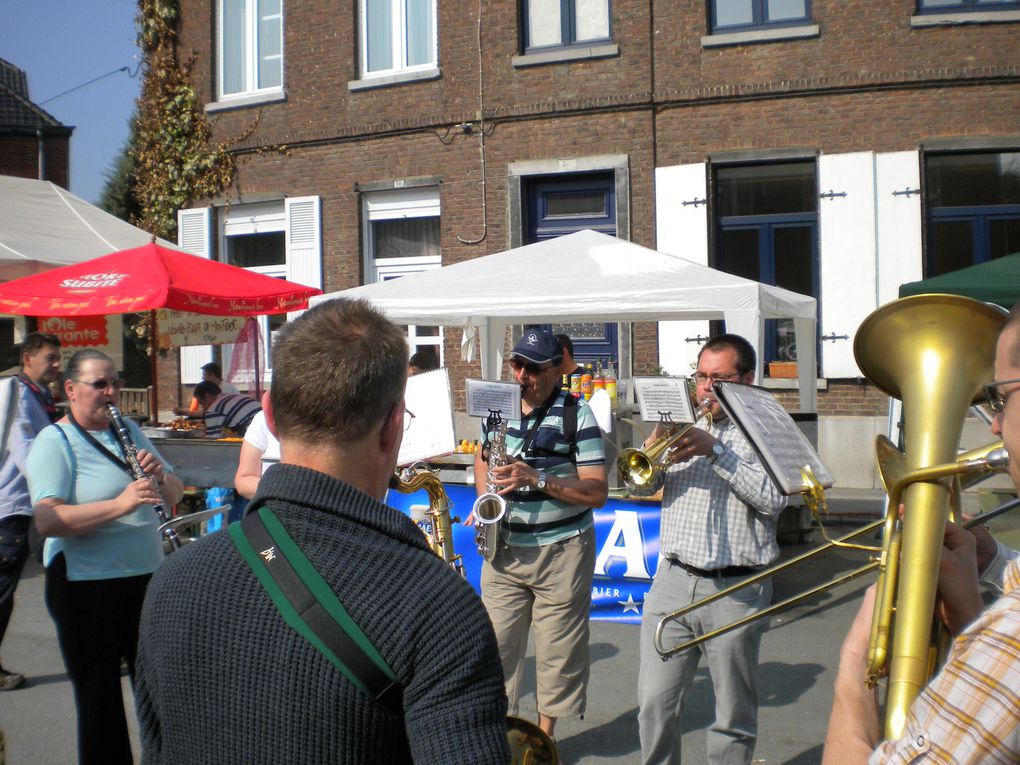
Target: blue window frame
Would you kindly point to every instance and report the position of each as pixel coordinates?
(743, 15)
(964, 6)
(767, 230)
(562, 23)
(973, 207)
(563, 204)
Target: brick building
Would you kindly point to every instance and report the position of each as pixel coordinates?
(33, 143)
(833, 148)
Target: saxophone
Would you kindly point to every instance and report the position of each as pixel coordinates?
(490, 507)
(418, 476)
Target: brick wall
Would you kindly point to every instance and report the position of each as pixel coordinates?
(19, 156)
(842, 398)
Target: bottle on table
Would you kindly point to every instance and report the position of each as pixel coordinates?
(598, 381)
(611, 387)
(586, 378)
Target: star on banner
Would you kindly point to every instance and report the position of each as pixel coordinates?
(630, 604)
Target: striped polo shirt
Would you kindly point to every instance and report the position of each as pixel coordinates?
(550, 453)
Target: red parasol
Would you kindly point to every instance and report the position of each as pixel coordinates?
(150, 277)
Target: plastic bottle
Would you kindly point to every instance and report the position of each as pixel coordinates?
(575, 384)
(598, 382)
(611, 385)
(586, 378)
(565, 384)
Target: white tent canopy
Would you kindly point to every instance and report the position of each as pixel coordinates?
(588, 276)
(43, 226)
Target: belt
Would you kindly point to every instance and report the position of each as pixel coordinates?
(716, 573)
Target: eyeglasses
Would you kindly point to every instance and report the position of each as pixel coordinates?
(408, 416)
(528, 366)
(701, 377)
(996, 399)
(102, 383)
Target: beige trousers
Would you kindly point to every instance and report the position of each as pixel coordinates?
(550, 588)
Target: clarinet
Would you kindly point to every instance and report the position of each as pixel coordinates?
(131, 456)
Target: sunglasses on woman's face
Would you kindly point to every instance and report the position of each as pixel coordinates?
(528, 366)
(102, 383)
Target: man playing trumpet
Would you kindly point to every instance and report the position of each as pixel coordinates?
(719, 515)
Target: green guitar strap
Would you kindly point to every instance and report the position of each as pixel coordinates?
(308, 604)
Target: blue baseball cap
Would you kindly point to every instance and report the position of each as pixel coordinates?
(538, 346)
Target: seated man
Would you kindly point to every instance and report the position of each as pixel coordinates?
(233, 411)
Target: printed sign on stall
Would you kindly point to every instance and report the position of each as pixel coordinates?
(75, 333)
(177, 328)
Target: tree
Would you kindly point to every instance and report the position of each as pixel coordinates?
(119, 191)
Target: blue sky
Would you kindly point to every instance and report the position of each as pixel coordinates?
(62, 44)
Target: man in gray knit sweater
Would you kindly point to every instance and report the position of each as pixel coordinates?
(222, 678)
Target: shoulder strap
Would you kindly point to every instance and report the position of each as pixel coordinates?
(309, 606)
(570, 423)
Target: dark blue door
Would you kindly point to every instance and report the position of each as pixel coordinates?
(563, 204)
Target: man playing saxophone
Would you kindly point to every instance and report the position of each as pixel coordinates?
(719, 516)
(542, 568)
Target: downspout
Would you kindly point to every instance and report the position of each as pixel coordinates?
(41, 162)
(481, 137)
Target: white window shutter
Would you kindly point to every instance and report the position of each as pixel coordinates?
(898, 201)
(304, 242)
(846, 216)
(194, 234)
(681, 229)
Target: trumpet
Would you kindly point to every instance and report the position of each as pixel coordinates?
(644, 470)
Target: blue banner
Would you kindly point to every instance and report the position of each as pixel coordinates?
(627, 544)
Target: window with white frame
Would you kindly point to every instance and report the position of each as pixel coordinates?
(250, 47)
(560, 23)
(397, 36)
(742, 15)
(401, 236)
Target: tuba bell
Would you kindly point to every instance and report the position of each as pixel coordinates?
(932, 352)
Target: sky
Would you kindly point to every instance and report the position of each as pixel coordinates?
(63, 44)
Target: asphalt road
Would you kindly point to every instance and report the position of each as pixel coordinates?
(798, 661)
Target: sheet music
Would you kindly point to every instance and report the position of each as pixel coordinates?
(484, 396)
(658, 395)
(431, 430)
(782, 446)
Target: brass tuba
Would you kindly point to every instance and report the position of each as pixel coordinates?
(644, 470)
(932, 352)
(529, 744)
(418, 476)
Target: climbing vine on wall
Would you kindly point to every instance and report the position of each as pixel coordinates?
(176, 161)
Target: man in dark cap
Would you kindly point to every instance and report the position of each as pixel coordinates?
(541, 572)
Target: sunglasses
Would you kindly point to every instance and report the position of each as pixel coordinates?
(102, 383)
(996, 399)
(528, 366)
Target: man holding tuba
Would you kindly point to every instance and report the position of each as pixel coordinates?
(969, 712)
(542, 569)
(719, 515)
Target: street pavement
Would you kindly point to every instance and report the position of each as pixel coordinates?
(798, 661)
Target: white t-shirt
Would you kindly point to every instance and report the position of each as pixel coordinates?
(258, 435)
(226, 387)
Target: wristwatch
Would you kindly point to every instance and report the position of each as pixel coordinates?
(717, 451)
(541, 483)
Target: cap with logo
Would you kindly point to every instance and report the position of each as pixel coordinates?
(538, 346)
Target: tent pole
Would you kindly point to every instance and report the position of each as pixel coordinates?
(153, 342)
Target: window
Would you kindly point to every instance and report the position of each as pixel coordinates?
(963, 6)
(401, 235)
(397, 36)
(558, 23)
(250, 45)
(973, 206)
(736, 15)
(767, 230)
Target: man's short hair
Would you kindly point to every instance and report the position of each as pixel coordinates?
(1013, 320)
(747, 359)
(206, 388)
(423, 360)
(36, 341)
(338, 371)
(566, 344)
(213, 367)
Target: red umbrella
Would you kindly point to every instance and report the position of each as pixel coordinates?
(150, 277)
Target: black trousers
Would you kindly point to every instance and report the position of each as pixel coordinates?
(97, 627)
(13, 554)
